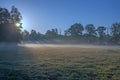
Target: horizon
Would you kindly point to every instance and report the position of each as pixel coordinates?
(44, 15)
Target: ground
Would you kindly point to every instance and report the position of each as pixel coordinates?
(63, 62)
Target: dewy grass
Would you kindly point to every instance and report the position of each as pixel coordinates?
(60, 63)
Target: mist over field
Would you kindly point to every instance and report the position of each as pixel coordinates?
(59, 62)
(70, 45)
(37, 45)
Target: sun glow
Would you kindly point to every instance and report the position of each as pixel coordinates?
(21, 24)
(24, 24)
(17, 24)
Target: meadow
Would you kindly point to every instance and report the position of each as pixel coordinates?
(59, 63)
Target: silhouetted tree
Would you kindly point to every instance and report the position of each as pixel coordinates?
(26, 35)
(9, 31)
(75, 30)
(74, 34)
(101, 33)
(4, 16)
(40, 36)
(91, 32)
(15, 15)
(33, 35)
(115, 30)
(67, 33)
(53, 33)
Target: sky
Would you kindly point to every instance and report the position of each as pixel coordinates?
(42, 15)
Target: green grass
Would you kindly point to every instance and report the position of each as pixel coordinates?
(59, 63)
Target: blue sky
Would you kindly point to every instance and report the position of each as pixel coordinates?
(42, 15)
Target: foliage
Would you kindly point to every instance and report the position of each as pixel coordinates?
(52, 33)
(77, 34)
(75, 30)
(91, 31)
(101, 32)
(115, 30)
(9, 31)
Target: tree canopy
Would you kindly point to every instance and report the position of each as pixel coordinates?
(9, 31)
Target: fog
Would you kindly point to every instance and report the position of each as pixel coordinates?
(13, 45)
(69, 45)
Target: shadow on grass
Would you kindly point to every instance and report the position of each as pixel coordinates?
(8, 74)
(10, 58)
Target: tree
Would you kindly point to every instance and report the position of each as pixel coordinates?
(15, 15)
(16, 19)
(8, 27)
(53, 33)
(91, 32)
(4, 16)
(33, 35)
(75, 30)
(26, 35)
(101, 33)
(67, 33)
(40, 36)
(115, 30)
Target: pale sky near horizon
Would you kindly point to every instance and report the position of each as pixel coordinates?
(42, 15)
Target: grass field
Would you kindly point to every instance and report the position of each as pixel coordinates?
(59, 63)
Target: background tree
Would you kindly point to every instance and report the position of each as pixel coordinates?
(75, 30)
(40, 36)
(101, 33)
(53, 33)
(115, 30)
(26, 35)
(91, 32)
(67, 33)
(33, 35)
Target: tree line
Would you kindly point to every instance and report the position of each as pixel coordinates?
(76, 33)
